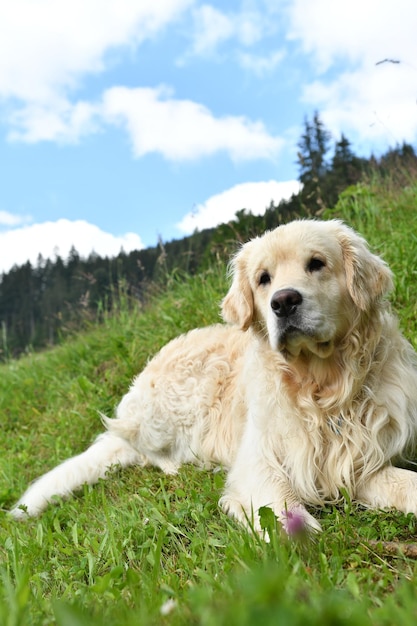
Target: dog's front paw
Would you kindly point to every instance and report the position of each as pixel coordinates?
(244, 514)
(233, 508)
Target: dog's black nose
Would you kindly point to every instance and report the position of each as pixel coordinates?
(284, 302)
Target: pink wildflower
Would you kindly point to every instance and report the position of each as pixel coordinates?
(293, 522)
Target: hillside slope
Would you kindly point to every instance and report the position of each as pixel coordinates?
(141, 544)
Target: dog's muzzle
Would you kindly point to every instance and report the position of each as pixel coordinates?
(294, 332)
(286, 306)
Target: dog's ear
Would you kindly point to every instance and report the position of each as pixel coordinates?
(368, 276)
(238, 304)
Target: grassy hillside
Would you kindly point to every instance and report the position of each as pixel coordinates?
(142, 548)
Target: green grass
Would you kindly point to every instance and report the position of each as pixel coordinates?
(121, 550)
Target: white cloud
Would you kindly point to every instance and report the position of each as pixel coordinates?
(359, 32)
(9, 219)
(376, 102)
(213, 28)
(45, 57)
(25, 244)
(182, 129)
(58, 121)
(156, 122)
(261, 64)
(48, 46)
(379, 103)
(222, 207)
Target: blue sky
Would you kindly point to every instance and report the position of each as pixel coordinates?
(122, 121)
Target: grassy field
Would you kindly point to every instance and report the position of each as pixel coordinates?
(142, 548)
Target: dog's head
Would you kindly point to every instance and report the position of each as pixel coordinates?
(302, 284)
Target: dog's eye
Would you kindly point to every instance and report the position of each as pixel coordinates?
(315, 265)
(264, 278)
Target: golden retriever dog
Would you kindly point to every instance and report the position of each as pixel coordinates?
(308, 389)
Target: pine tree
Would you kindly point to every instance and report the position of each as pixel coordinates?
(313, 145)
(346, 169)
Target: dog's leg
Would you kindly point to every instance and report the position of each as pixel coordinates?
(391, 487)
(256, 480)
(87, 468)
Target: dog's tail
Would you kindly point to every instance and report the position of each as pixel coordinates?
(87, 468)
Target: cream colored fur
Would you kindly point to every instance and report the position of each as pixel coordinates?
(295, 406)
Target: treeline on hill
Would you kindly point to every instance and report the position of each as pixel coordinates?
(38, 304)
